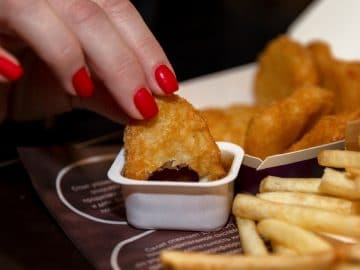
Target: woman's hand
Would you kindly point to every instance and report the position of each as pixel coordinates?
(76, 38)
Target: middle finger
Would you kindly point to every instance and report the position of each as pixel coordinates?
(110, 57)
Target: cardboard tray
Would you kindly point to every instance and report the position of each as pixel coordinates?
(328, 20)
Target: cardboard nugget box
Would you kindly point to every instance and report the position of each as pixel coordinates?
(328, 20)
(332, 21)
(235, 86)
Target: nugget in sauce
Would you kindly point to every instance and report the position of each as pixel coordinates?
(177, 137)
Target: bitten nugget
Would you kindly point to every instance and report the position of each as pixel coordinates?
(329, 128)
(277, 127)
(231, 123)
(284, 65)
(177, 137)
(342, 77)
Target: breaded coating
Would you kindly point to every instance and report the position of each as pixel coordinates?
(177, 137)
(277, 127)
(342, 77)
(230, 123)
(284, 65)
(329, 128)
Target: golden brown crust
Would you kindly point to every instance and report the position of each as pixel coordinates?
(283, 66)
(230, 123)
(329, 128)
(177, 136)
(277, 127)
(342, 77)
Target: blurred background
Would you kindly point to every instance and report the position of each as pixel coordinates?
(199, 37)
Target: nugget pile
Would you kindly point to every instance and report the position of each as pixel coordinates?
(304, 98)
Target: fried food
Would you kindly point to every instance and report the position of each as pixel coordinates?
(342, 77)
(250, 240)
(338, 205)
(177, 137)
(230, 123)
(280, 184)
(284, 66)
(339, 158)
(327, 129)
(177, 260)
(337, 183)
(292, 236)
(275, 128)
(314, 219)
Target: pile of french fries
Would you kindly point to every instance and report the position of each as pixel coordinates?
(294, 223)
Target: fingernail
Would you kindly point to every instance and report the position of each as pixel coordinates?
(10, 70)
(145, 103)
(82, 83)
(166, 79)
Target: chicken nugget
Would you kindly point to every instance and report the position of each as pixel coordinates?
(275, 128)
(284, 65)
(177, 137)
(329, 128)
(230, 123)
(342, 77)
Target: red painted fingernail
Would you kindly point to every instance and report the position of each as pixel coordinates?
(82, 83)
(145, 103)
(10, 70)
(166, 79)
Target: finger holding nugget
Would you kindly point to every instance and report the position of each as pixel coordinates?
(158, 144)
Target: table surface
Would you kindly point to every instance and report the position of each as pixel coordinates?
(30, 238)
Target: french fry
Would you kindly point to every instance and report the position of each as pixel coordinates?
(292, 236)
(353, 173)
(348, 252)
(250, 240)
(282, 250)
(318, 220)
(339, 158)
(274, 183)
(177, 260)
(338, 205)
(336, 183)
(346, 266)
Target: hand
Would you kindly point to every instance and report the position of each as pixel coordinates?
(104, 39)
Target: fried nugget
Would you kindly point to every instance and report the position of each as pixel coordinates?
(177, 137)
(342, 77)
(230, 123)
(284, 65)
(329, 128)
(275, 128)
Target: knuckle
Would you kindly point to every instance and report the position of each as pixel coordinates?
(82, 11)
(147, 44)
(18, 7)
(67, 53)
(124, 66)
(116, 7)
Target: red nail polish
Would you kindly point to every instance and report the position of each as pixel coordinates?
(82, 83)
(145, 103)
(10, 70)
(166, 79)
